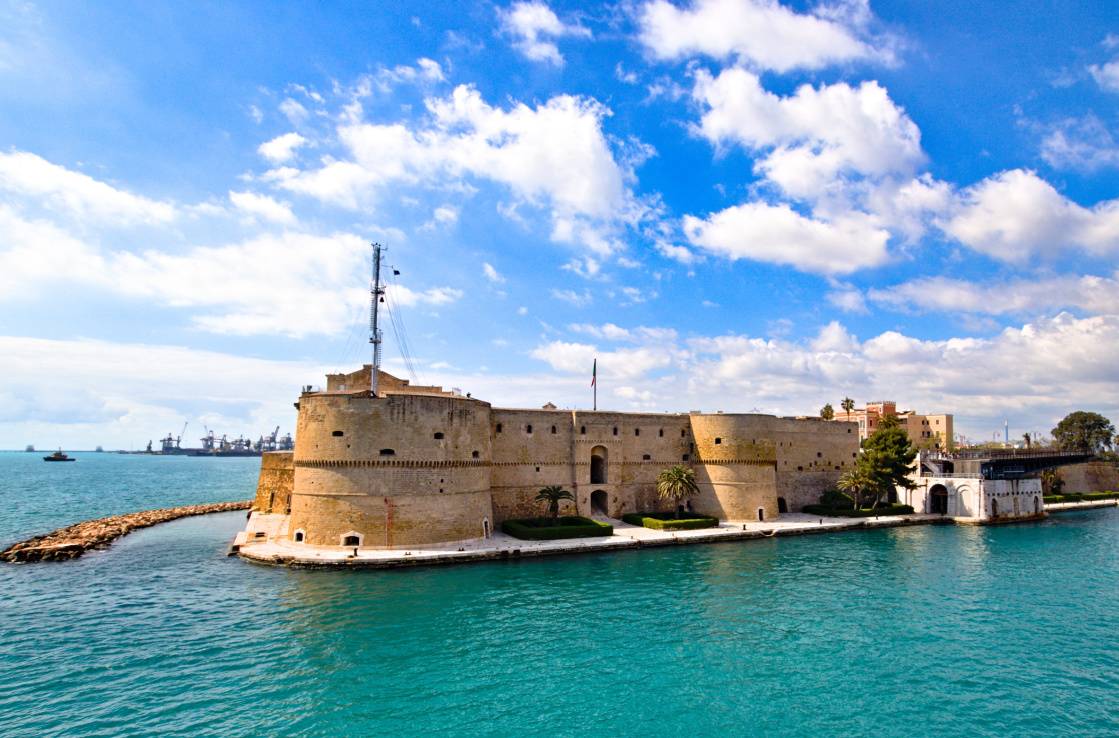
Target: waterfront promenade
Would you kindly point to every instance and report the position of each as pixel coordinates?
(626, 537)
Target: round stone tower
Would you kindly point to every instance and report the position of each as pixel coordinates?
(390, 472)
(735, 466)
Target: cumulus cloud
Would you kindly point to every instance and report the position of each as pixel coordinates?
(262, 207)
(1015, 215)
(761, 33)
(1036, 373)
(554, 155)
(1090, 293)
(779, 235)
(75, 194)
(810, 138)
(281, 148)
(490, 273)
(1106, 75)
(534, 28)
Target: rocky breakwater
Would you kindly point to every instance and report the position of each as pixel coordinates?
(74, 540)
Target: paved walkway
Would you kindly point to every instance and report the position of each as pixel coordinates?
(502, 546)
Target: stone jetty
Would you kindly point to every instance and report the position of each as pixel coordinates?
(74, 540)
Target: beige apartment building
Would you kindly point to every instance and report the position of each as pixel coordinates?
(932, 431)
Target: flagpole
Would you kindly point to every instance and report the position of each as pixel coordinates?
(594, 383)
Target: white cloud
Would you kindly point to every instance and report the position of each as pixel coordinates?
(263, 207)
(75, 194)
(282, 148)
(813, 137)
(492, 274)
(779, 235)
(1083, 144)
(760, 33)
(834, 338)
(623, 364)
(1015, 215)
(430, 69)
(554, 155)
(847, 299)
(578, 299)
(127, 393)
(534, 26)
(1093, 294)
(1106, 75)
(676, 252)
(401, 295)
(294, 111)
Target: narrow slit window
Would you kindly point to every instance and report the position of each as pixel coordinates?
(388, 452)
(438, 436)
(338, 434)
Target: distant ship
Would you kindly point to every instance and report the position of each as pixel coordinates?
(30, 448)
(58, 456)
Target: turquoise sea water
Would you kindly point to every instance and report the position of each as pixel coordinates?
(919, 631)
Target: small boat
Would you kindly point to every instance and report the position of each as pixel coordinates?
(58, 456)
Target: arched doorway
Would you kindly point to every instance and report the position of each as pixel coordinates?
(1037, 506)
(485, 527)
(994, 508)
(598, 464)
(782, 506)
(600, 502)
(761, 514)
(938, 500)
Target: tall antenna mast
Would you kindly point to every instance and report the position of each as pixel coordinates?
(375, 293)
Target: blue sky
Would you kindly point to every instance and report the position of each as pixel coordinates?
(733, 204)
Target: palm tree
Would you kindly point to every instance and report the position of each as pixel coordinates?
(553, 494)
(857, 480)
(848, 404)
(677, 483)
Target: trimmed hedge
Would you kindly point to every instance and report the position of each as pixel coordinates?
(569, 526)
(667, 521)
(1082, 497)
(848, 512)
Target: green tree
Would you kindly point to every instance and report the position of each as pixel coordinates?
(888, 457)
(827, 412)
(553, 495)
(677, 483)
(856, 481)
(1051, 482)
(1083, 431)
(848, 404)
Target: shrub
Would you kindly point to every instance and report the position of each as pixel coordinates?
(848, 512)
(1080, 497)
(667, 521)
(543, 529)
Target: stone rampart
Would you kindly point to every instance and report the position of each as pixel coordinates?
(273, 488)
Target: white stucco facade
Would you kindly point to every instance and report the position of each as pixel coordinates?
(974, 499)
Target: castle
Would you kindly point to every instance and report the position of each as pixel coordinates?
(417, 465)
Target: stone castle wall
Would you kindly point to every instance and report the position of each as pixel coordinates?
(1091, 476)
(273, 488)
(409, 469)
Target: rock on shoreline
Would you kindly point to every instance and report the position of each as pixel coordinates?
(74, 540)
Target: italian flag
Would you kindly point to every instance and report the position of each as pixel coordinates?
(594, 373)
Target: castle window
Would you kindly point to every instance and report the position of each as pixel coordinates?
(684, 457)
(388, 452)
(498, 427)
(553, 430)
(582, 430)
(646, 457)
(474, 454)
(337, 434)
(683, 433)
(718, 441)
(819, 455)
(660, 433)
(800, 468)
(299, 536)
(439, 436)
(351, 539)
(636, 431)
(528, 429)
(537, 468)
(615, 430)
